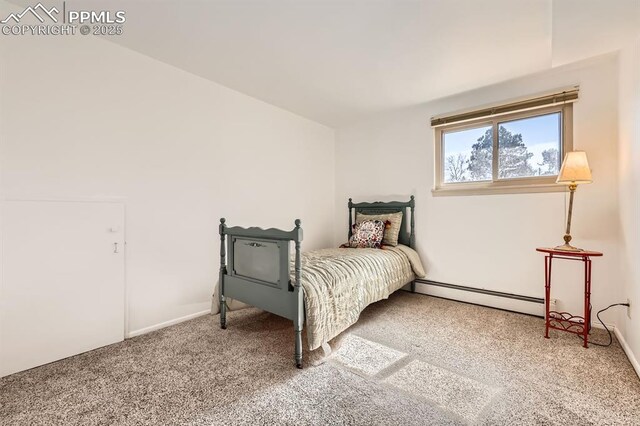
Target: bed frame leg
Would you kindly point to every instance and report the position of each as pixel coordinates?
(298, 322)
(298, 354)
(223, 313)
(223, 272)
(413, 286)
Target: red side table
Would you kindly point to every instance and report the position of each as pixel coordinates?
(564, 321)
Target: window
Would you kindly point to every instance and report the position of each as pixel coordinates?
(512, 152)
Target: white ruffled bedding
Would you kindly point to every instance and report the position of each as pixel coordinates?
(339, 283)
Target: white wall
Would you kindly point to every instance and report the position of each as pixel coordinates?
(84, 118)
(630, 190)
(586, 28)
(489, 241)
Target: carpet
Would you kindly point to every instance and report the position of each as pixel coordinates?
(411, 360)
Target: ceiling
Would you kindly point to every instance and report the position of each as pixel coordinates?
(336, 61)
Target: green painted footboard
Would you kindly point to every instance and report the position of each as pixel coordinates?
(256, 272)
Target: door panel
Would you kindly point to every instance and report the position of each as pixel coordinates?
(62, 289)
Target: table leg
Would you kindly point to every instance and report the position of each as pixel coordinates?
(587, 300)
(547, 292)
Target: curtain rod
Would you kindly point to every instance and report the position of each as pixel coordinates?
(566, 96)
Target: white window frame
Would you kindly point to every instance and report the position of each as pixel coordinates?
(497, 185)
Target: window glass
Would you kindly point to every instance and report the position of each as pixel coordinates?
(529, 147)
(467, 155)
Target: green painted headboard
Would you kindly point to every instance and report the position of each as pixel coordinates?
(406, 237)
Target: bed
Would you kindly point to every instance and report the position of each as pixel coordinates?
(326, 288)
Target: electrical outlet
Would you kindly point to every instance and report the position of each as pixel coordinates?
(629, 308)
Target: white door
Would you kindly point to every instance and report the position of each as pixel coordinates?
(62, 290)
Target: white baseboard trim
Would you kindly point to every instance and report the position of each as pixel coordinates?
(627, 351)
(596, 324)
(166, 324)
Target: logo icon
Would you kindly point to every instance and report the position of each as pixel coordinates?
(38, 11)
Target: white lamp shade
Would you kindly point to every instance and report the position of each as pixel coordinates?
(575, 169)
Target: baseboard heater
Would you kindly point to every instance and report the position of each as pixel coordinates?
(531, 299)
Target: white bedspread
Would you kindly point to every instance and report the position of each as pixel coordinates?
(339, 283)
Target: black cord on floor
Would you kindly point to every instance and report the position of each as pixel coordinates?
(603, 324)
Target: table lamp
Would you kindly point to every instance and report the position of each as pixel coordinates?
(575, 170)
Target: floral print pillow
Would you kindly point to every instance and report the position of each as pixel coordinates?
(367, 234)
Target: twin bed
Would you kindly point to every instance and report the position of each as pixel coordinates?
(326, 289)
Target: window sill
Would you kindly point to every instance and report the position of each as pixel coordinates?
(492, 189)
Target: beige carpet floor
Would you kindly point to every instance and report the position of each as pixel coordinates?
(410, 360)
